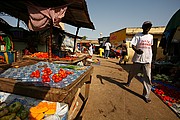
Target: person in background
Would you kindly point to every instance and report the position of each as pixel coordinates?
(26, 51)
(90, 49)
(90, 52)
(124, 52)
(107, 49)
(142, 45)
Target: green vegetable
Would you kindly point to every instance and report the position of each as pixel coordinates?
(22, 113)
(14, 107)
(9, 117)
(70, 67)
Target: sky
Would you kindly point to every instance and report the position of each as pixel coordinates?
(112, 15)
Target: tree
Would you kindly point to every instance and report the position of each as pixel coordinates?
(84, 38)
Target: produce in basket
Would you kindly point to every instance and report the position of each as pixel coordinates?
(14, 111)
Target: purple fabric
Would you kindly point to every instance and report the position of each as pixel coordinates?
(39, 17)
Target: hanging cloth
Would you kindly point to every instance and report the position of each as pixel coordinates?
(39, 17)
(8, 43)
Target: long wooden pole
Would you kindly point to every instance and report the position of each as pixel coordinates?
(50, 42)
(75, 39)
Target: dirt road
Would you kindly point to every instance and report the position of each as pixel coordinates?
(110, 100)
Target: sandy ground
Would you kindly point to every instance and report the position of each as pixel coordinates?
(109, 99)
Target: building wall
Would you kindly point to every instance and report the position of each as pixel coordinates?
(117, 37)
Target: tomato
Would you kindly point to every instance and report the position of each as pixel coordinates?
(43, 80)
(48, 69)
(64, 76)
(31, 75)
(59, 78)
(68, 72)
(48, 79)
(56, 80)
(42, 77)
(49, 73)
(45, 73)
(37, 75)
(46, 76)
(53, 77)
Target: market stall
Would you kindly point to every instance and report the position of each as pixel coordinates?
(69, 59)
(48, 79)
(19, 80)
(166, 71)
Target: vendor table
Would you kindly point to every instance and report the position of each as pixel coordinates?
(79, 59)
(61, 60)
(66, 94)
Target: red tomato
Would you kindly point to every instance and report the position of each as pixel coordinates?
(68, 72)
(31, 75)
(48, 79)
(59, 78)
(48, 69)
(49, 73)
(56, 80)
(42, 77)
(37, 75)
(65, 75)
(46, 76)
(45, 73)
(53, 77)
(43, 80)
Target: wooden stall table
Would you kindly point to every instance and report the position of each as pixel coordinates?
(67, 94)
(74, 61)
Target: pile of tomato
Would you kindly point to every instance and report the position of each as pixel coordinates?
(56, 77)
(43, 55)
(167, 94)
(35, 74)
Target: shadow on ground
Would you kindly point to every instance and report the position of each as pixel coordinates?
(108, 66)
(118, 83)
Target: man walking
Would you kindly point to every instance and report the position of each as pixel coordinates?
(142, 45)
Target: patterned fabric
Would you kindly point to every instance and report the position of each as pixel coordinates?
(39, 17)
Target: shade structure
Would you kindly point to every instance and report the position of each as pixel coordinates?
(76, 13)
(174, 22)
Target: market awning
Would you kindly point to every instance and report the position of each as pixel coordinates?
(76, 14)
(174, 22)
